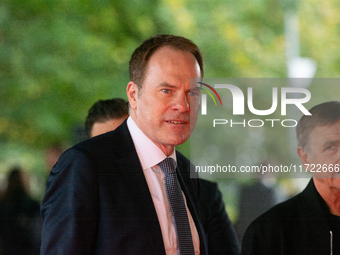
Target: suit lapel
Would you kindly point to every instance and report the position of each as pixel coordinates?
(133, 177)
(138, 190)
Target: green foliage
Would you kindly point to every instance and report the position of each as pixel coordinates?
(58, 57)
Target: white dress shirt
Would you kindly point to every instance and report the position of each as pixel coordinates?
(149, 156)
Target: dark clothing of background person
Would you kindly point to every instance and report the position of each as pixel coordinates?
(255, 199)
(98, 201)
(301, 225)
(220, 232)
(19, 220)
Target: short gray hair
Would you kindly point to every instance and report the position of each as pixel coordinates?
(323, 114)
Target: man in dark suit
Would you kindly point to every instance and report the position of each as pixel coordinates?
(104, 115)
(106, 194)
(308, 223)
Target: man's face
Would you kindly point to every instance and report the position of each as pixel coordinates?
(163, 107)
(325, 144)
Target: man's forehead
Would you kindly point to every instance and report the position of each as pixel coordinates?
(163, 51)
(323, 131)
(332, 126)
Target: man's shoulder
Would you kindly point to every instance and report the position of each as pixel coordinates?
(265, 233)
(288, 209)
(290, 227)
(294, 211)
(117, 141)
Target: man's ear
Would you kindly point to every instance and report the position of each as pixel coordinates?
(303, 155)
(132, 94)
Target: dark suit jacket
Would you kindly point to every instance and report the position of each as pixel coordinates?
(98, 202)
(220, 232)
(255, 199)
(296, 227)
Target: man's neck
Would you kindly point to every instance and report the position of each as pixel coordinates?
(166, 149)
(330, 195)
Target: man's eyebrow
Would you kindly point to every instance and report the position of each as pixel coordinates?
(331, 142)
(194, 88)
(166, 85)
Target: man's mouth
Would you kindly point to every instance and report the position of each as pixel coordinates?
(176, 122)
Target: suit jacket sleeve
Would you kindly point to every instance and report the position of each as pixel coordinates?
(221, 235)
(69, 208)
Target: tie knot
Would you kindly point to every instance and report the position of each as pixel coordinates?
(168, 165)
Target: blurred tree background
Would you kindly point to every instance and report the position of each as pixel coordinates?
(58, 57)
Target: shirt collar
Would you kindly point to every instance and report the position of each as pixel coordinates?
(149, 154)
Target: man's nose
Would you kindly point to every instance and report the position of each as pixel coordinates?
(181, 103)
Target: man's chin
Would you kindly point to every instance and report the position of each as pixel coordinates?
(174, 141)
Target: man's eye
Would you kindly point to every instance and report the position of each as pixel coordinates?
(332, 148)
(167, 91)
(194, 93)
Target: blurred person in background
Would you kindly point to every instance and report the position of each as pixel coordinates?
(107, 115)
(52, 155)
(308, 223)
(20, 223)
